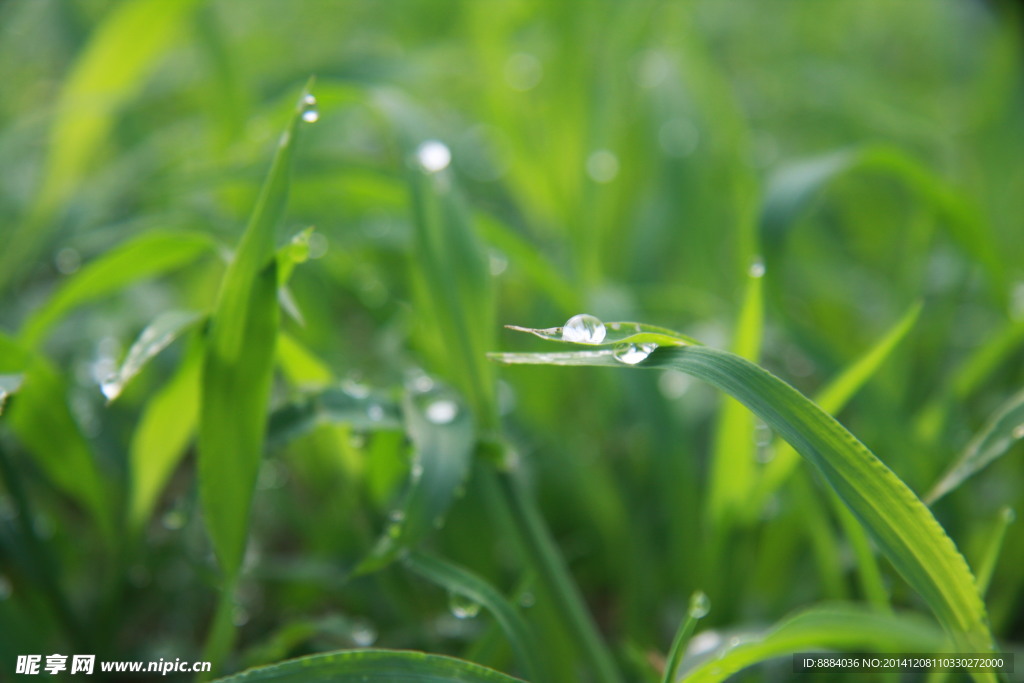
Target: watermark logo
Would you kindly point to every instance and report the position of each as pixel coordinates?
(32, 665)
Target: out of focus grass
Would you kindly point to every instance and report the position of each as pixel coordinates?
(629, 160)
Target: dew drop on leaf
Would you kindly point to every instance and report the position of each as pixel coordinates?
(462, 607)
(584, 329)
(631, 354)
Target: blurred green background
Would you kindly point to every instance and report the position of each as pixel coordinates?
(627, 159)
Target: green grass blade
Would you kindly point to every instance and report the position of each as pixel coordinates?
(385, 666)
(698, 608)
(238, 366)
(995, 545)
(834, 396)
(356, 406)
(148, 255)
(1004, 430)
(157, 336)
(903, 528)
(108, 73)
(443, 434)
(41, 419)
(161, 438)
(833, 627)
(733, 462)
(616, 333)
(463, 582)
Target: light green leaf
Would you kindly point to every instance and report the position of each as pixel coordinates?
(828, 627)
(157, 336)
(148, 255)
(443, 435)
(903, 528)
(470, 586)
(161, 438)
(1000, 434)
(238, 366)
(385, 666)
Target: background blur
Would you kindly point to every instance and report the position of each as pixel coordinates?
(627, 159)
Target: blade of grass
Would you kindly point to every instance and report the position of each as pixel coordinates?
(698, 608)
(361, 408)
(1003, 430)
(157, 336)
(902, 526)
(463, 582)
(994, 547)
(385, 666)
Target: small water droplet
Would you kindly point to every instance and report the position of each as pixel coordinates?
(111, 387)
(699, 605)
(417, 470)
(318, 245)
(355, 389)
(631, 354)
(527, 600)
(240, 617)
(462, 607)
(173, 519)
(497, 263)
(68, 261)
(1018, 431)
(442, 411)
(583, 329)
(757, 268)
(434, 156)
(602, 166)
(309, 112)
(1009, 515)
(375, 412)
(363, 633)
(396, 516)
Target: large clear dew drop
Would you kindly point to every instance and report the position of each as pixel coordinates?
(584, 329)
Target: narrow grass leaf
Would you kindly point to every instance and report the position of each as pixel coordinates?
(462, 582)
(615, 333)
(148, 255)
(988, 561)
(157, 336)
(167, 426)
(830, 627)
(41, 419)
(696, 611)
(238, 366)
(904, 529)
(836, 394)
(443, 435)
(1004, 430)
(385, 666)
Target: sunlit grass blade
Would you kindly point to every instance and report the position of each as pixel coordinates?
(1004, 430)
(696, 611)
(167, 426)
(472, 587)
(839, 627)
(733, 460)
(149, 255)
(109, 72)
(995, 545)
(837, 393)
(904, 529)
(359, 407)
(41, 419)
(157, 336)
(443, 434)
(371, 666)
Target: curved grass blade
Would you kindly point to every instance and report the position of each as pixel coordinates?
(238, 365)
(830, 627)
(443, 435)
(41, 419)
(8, 385)
(157, 336)
(108, 73)
(351, 405)
(1003, 431)
(995, 545)
(370, 666)
(904, 529)
(149, 255)
(697, 610)
(617, 333)
(162, 436)
(463, 582)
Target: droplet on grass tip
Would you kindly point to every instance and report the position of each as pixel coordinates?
(442, 411)
(1018, 431)
(309, 111)
(699, 605)
(462, 607)
(757, 267)
(434, 156)
(584, 329)
(631, 354)
(363, 634)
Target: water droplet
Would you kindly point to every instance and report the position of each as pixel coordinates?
(703, 642)
(375, 412)
(462, 607)
(1018, 431)
(363, 633)
(111, 387)
(240, 617)
(699, 605)
(434, 156)
(526, 600)
(309, 112)
(756, 267)
(355, 389)
(396, 516)
(523, 71)
(602, 166)
(442, 411)
(631, 354)
(422, 383)
(68, 261)
(653, 68)
(173, 519)
(1009, 516)
(584, 329)
(417, 470)
(497, 263)
(318, 245)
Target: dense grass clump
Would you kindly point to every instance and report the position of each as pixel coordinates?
(265, 396)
